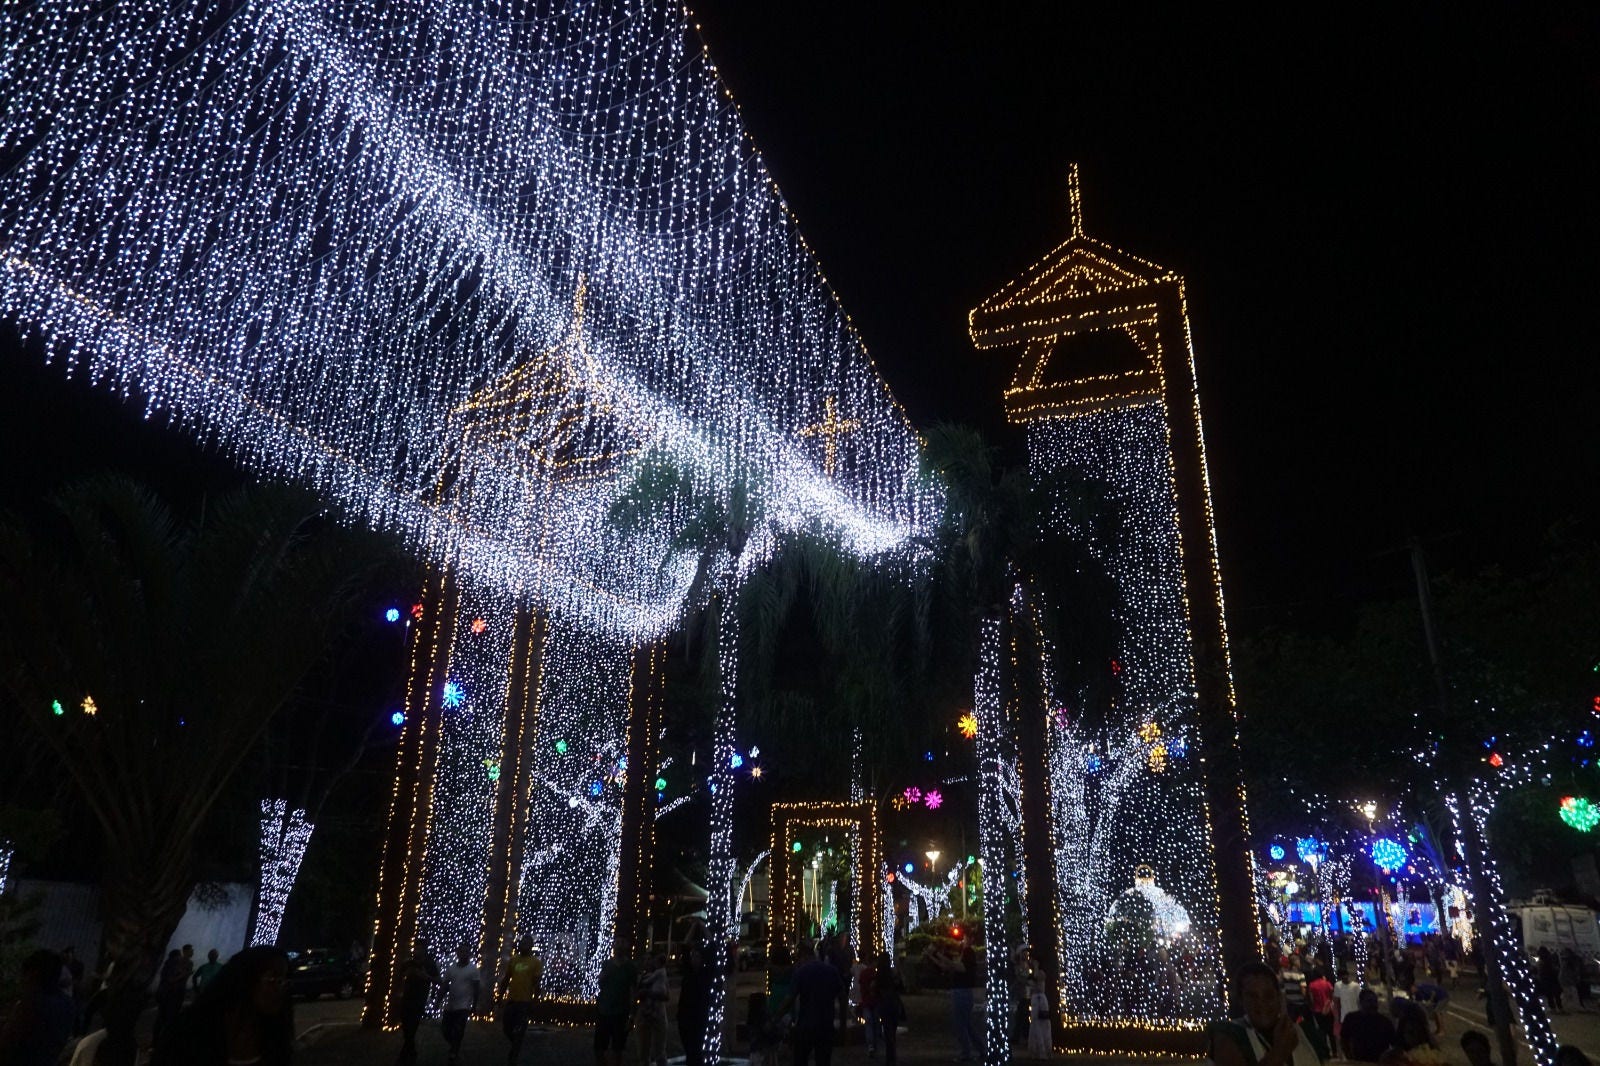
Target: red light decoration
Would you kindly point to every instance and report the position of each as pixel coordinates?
(955, 931)
(416, 611)
(1495, 760)
(479, 625)
(890, 878)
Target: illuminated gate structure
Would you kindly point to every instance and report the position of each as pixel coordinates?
(860, 823)
(1135, 854)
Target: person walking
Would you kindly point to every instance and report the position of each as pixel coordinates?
(463, 985)
(1549, 976)
(694, 1006)
(524, 974)
(243, 1015)
(171, 986)
(963, 969)
(651, 1013)
(1319, 991)
(815, 990)
(891, 1009)
(419, 980)
(866, 993)
(1572, 977)
(614, 1003)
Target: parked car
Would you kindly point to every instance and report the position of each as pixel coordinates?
(318, 972)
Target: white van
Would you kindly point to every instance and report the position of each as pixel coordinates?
(1557, 926)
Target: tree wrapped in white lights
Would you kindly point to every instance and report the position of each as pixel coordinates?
(284, 837)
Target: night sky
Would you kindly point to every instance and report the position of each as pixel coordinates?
(1386, 222)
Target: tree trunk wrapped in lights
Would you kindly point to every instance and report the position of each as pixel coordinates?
(284, 836)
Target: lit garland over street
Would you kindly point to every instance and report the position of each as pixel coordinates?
(318, 233)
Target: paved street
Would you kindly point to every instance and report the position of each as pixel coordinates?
(334, 1038)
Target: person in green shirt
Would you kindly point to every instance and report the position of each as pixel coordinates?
(206, 971)
(614, 1004)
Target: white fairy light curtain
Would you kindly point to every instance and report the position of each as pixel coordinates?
(460, 265)
(1132, 843)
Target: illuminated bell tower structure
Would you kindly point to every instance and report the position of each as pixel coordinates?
(1146, 802)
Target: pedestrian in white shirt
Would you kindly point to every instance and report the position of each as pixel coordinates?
(463, 983)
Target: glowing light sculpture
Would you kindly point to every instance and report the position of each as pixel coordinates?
(1123, 795)
(284, 836)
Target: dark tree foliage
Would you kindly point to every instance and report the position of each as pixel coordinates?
(1331, 719)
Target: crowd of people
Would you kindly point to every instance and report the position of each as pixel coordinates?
(235, 1013)
(1293, 1012)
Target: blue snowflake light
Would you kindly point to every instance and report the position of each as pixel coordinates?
(392, 615)
(398, 718)
(1277, 852)
(454, 694)
(736, 760)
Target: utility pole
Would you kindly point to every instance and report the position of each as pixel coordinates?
(1473, 846)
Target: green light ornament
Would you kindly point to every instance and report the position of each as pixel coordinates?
(661, 784)
(561, 747)
(56, 708)
(1579, 813)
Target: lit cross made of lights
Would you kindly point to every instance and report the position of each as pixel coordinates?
(830, 429)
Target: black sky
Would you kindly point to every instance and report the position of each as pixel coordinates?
(1386, 220)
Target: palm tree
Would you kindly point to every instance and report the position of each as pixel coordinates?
(150, 654)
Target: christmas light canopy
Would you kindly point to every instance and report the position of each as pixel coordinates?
(472, 273)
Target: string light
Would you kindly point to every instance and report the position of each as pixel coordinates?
(1152, 788)
(384, 250)
(284, 836)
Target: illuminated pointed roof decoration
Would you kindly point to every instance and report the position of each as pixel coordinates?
(1083, 286)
